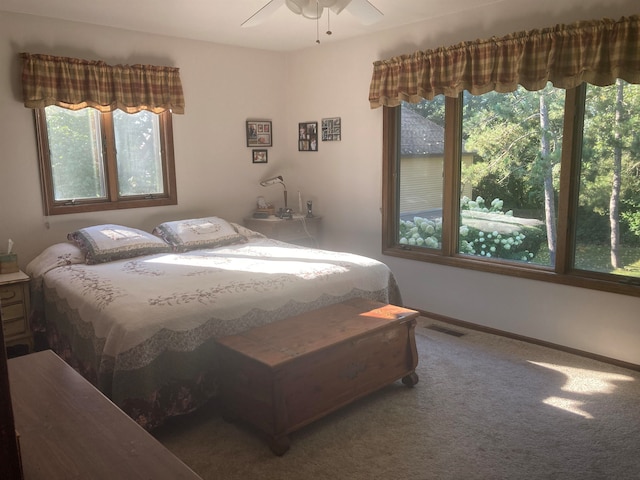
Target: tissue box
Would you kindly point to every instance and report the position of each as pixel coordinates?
(8, 263)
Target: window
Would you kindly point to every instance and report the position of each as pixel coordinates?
(539, 184)
(92, 161)
(607, 217)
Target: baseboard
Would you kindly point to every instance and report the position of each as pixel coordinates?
(535, 341)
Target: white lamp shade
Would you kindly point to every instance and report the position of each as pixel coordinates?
(296, 5)
(312, 10)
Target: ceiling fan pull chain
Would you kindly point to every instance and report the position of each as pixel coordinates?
(329, 32)
(317, 22)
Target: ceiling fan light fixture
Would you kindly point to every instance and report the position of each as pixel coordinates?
(312, 10)
(364, 10)
(296, 6)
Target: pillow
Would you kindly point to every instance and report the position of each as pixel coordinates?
(208, 232)
(106, 243)
(58, 255)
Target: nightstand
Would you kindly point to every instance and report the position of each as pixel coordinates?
(14, 301)
(300, 229)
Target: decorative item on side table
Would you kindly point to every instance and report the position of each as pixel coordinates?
(259, 133)
(308, 137)
(9, 260)
(264, 209)
(331, 129)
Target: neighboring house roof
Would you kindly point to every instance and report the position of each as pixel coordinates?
(421, 136)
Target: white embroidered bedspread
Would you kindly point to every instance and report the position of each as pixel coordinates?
(137, 308)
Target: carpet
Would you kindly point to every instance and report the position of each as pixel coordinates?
(485, 407)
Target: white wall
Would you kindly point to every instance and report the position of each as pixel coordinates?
(224, 86)
(334, 81)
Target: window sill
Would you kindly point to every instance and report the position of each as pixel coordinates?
(624, 286)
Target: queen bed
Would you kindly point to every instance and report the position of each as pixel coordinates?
(137, 314)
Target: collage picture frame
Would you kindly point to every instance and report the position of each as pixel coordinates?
(332, 129)
(308, 136)
(259, 133)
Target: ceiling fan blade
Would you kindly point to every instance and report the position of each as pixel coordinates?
(365, 11)
(339, 6)
(262, 14)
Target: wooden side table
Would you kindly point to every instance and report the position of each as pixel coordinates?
(14, 301)
(300, 230)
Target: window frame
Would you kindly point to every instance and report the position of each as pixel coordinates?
(563, 271)
(112, 201)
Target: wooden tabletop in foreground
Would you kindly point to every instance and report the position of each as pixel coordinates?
(69, 430)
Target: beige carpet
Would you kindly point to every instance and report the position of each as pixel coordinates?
(485, 407)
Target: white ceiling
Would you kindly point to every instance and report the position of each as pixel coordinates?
(219, 20)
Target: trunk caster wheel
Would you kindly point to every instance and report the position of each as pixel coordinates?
(410, 380)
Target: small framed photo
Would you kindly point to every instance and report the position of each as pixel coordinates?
(331, 129)
(259, 156)
(308, 137)
(259, 133)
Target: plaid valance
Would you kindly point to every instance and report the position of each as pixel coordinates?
(595, 52)
(74, 84)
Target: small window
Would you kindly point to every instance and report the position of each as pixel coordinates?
(421, 173)
(91, 161)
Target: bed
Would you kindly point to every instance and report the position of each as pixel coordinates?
(137, 314)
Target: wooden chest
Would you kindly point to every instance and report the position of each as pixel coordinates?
(284, 375)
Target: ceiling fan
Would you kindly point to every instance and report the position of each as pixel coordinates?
(313, 9)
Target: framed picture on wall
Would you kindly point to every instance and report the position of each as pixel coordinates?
(259, 156)
(259, 133)
(331, 129)
(308, 137)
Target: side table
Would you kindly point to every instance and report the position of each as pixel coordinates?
(68, 429)
(14, 301)
(300, 229)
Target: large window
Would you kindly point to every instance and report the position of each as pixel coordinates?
(93, 161)
(541, 184)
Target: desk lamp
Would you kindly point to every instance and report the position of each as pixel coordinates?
(286, 212)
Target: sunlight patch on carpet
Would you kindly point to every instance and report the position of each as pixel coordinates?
(572, 406)
(584, 382)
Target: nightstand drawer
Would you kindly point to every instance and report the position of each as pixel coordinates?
(11, 294)
(12, 312)
(13, 321)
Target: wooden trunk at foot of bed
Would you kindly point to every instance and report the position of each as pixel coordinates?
(287, 374)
